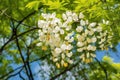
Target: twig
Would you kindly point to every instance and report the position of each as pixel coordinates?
(63, 72)
(102, 67)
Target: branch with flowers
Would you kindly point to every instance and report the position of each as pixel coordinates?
(71, 37)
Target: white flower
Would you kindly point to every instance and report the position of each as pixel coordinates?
(80, 44)
(68, 13)
(82, 56)
(69, 54)
(69, 47)
(79, 28)
(89, 47)
(56, 35)
(102, 40)
(40, 33)
(55, 59)
(80, 37)
(70, 19)
(65, 24)
(62, 62)
(99, 29)
(45, 30)
(39, 44)
(86, 32)
(94, 39)
(64, 17)
(91, 32)
(94, 29)
(62, 31)
(71, 39)
(105, 22)
(63, 46)
(58, 50)
(67, 37)
(44, 15)
(80, 49)
(81, 15)
(89, 40)
(75, 17)
(88, 55)
(41, 23)
(56, 20)
(93, 48)
(68, 28)
(63, 56)
(101, 46)
(82, 22)
(70, 61)
(87, 22)
(53, 15)
(92, 24)
(93, 55)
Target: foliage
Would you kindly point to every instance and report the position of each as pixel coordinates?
(20, 35)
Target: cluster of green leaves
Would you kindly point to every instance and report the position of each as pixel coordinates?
(107, 68)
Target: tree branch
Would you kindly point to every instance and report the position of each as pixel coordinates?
(19, 49)
(63, 72)
(22, 66)
(14, 74)
(27, 16)
(13, 38)
(104, 70)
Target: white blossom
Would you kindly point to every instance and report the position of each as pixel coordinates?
(62, 31)
(80, 49)
(64, 16)
(82, 22)
(94, 39)
(75, 17)
(81, 16)
(69, 54)
(80, 44)
(58, 50)
(62, 37)
(79, 28)
(63, 46)
(92, 24)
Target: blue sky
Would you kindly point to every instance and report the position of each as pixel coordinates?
(114, 55)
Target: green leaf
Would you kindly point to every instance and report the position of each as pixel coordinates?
(116, 66)
(107, 59)
(33, 5)
(55, 4)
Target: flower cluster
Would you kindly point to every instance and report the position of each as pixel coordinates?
(68, 33)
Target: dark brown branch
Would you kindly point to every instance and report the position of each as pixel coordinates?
(14, 19)
(63, 72)
(28, 65)
(19, 49)
(103, 68)
(27, 17)
(14, 74)
(2, 48)
(13, 38)
(21, 76)
(27, 62)
(20, 22)
(11, 72)
(22, 66)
